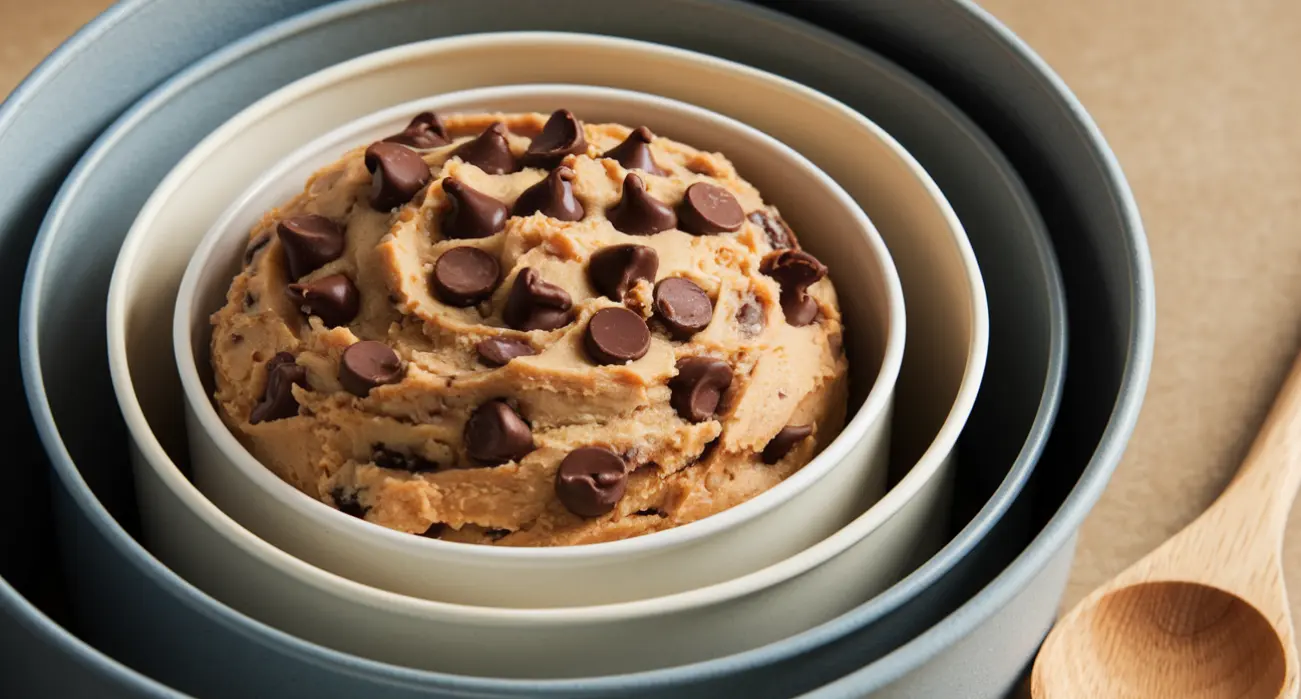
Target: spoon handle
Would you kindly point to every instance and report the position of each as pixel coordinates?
(1271, 473)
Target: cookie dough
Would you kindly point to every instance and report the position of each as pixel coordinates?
(520, 329)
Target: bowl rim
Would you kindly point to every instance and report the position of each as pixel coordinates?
(873, 409)
(946, 436)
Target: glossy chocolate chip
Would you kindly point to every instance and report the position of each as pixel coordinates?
(495, 434)
(256, 245)
(367, 364)
(498, 351)
(795, 271)
(779, 234)
(616, 335)
(553, 196)
(278, 397)
(397, 173)
(749, 318)
(786, 439)
(334, 299)
(309, 241)
(385, 457)
(562, 135)
(489, 151)
(425, 131)
(707, 208)
(349, 503)
(590, 481)
(464, 276)
(683, 307)
(638, 213)
(635, 153)
(471, 213)
(616, 269)
(534, 304)
(699, 386)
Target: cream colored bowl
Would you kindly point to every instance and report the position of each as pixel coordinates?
(833, 489)
(946, 349)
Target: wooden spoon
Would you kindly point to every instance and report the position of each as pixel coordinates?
(1205, 616)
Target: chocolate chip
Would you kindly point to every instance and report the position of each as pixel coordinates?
(553, 196)
(562, 135)
(749, 318)
(333, 299)
(399, 461)
(787, 437)
(650, 512)
(635, 153)
(464, 276)
(309, 241)
(435, 530)
(638, 213)
(348, 503)
(707, 208)
(616, 269)
(495, 434)
(255, 246)
(367, 364)
(236, 338)
(590, 481)
(425, 131)
(397, 173)
(682, 306)
(534, 304)
(779, 234)
(250, 299)
(795, 271)
(489, 151)
(699, 386)
(498, 351)
(616, 335)
(278, 400)
(471, 213)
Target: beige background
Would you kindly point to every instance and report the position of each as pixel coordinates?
(1200, 100)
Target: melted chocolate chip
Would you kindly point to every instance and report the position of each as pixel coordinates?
(367, 364)
(699, 386)
(333, 299)
(255, 246)
(616, 269)
(749, 318)
(397, 174)
(489, 151)
(496, 434)
(590, 481)
(683, 307)
(615, 336)
(498, 351)
(786, 439)
(795, 271)
(399, 461)
(707, 208)
(425, 131)
(309, 241)
(553, 196)
(534, 304)
(464, 276)
(635, 153)
(471, 213)
(348, 503)
(638, 213)
(562, 135)
(779, 234)
(278, 397)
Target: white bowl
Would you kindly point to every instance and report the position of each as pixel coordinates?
(831, 490)
(947, 342)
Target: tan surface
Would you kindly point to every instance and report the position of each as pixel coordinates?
(1199, 99)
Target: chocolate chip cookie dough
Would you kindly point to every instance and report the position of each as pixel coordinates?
(526, 330)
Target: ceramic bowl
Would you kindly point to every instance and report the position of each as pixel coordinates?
(127, 601)
(206, 546)
(833, 489)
